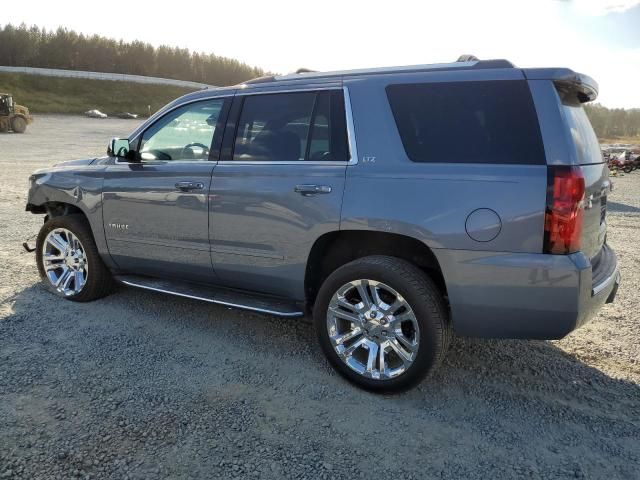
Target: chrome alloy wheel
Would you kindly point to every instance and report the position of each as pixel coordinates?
(64, 261)
(373, 329)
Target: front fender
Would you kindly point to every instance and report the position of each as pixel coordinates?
(80, 187)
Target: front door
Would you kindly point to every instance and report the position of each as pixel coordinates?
(277, 188)
(156, 209)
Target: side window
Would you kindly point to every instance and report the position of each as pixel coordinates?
(286, 127)
(468, 122)
(185, 133)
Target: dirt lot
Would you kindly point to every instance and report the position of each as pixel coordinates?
(140, 385)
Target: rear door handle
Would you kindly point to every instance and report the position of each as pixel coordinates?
(308, 190)
(189, 186)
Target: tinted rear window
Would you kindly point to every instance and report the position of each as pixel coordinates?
(468, 122)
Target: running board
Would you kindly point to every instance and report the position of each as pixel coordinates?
(221, 296)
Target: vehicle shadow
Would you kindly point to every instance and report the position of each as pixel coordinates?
(490, 400)
(517, 366)
(616, 207)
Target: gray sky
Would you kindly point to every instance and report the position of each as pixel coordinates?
(598, 37)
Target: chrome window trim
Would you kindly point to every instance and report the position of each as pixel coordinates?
(351, 131)
(295, 162)
(351, 136)
(272, 89)
(159, 162)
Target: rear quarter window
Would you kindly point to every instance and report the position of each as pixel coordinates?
(467, 122)
(582, 134)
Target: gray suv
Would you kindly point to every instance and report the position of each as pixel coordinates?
(397, 205)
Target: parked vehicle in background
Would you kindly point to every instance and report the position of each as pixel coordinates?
(614, 164)
(127, 116)
(621, 157)
(397, 205)
(624, 159)
(13, 117)
(95, 114)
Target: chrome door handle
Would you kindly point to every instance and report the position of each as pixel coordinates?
(189, 186)
(308, 190)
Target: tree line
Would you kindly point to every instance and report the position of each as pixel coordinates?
(614, 122)
(24, 46)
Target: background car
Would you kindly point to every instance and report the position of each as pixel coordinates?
(95, 114)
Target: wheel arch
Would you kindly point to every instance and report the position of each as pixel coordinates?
(334, 249)
(56, 209)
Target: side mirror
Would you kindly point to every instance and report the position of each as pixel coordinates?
(119, 147)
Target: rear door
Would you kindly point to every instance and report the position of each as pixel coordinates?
(156, 209)
(278, 187)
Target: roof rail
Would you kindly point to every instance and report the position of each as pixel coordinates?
(467, 58)
(264, 79)
(470, 61)
(497, 63)
(500, 63)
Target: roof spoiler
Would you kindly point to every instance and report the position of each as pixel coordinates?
(571, 86)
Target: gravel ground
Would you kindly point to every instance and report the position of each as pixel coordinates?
(140, 385)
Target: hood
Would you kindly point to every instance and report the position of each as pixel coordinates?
(75, 163)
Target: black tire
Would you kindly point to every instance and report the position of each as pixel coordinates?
(4, 125)
(425, 300)
(99, 281)
(18, 124)
(627, 169)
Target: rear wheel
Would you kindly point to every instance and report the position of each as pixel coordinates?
(4, 125)
(68, 260)
(382, 323)
(18, 124)
(627, 168)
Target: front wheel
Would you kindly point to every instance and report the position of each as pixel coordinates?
(68, 260)
(382, 323)
(18, 124)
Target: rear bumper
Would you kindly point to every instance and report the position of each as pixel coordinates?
(522, 295)
(599, 283)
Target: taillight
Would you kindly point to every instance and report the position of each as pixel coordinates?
(565, 208)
